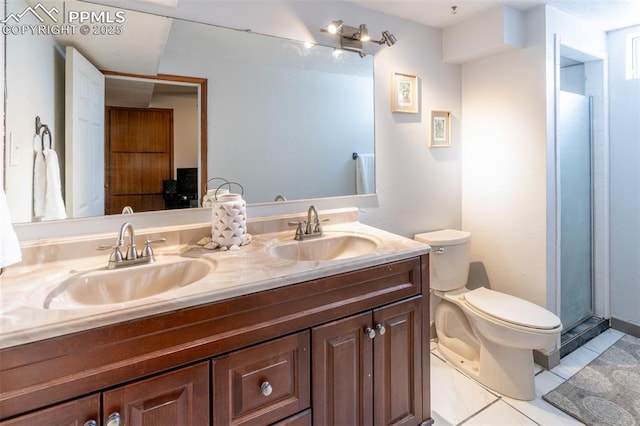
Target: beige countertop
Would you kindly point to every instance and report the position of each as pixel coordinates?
(25, 287)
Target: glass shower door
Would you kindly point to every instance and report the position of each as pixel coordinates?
(575, 176)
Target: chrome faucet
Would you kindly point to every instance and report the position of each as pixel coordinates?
(132, 253)
(310, 228)
(131, 257)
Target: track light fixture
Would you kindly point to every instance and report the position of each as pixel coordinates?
(387, 38)
(363, 33)
(351, 38)
(335, 27)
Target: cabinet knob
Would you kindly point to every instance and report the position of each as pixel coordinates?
(90, 423)
(113, 420)
(381, 329)
(370, 332)
(266, 388)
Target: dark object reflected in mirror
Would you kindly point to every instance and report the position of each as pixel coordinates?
(182, 192)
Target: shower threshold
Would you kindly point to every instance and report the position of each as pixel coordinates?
(581, 334)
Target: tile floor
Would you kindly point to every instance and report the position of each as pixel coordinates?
(459, 400)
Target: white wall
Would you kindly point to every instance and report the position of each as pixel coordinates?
(624, 131)
(504, 174)
(185, 128)
(504, 169)
(419, 188)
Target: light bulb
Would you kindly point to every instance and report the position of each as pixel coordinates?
(334, 27)
(363, 33)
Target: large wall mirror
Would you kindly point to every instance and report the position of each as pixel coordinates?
(278, 116)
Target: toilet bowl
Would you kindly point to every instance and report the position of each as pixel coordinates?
(487, 334)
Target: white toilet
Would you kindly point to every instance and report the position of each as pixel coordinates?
(488, 334)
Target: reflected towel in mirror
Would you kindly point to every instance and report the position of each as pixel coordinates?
(54, 205)
(39, 179)
(47, 192)
(365, 173)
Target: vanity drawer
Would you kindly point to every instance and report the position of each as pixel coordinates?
(262, 384)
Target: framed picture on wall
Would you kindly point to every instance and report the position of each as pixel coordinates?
(440, 132)
(404, 93)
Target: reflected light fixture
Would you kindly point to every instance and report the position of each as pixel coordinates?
(335, 27)
(351, 38)
(387, 38)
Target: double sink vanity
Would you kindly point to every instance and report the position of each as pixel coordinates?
(326, 330)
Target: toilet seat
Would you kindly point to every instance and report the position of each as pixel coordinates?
(511, 309)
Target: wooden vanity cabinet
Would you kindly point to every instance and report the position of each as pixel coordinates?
(262, 384)
(207, 364)
(180, 397)
(78, 412)
(368, 368)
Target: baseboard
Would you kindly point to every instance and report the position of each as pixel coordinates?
(625, 327)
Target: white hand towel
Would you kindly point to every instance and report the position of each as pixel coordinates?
(365, 173)
(39, 180)
(54, 205)
(9, 245)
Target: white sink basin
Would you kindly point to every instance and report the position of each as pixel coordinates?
(328, 247)
(117, 286)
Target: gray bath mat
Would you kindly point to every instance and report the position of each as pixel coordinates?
(607, 391)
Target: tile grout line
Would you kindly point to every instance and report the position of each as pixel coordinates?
(478, 412)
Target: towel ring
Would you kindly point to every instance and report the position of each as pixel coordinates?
(42, 130)
(46, 131)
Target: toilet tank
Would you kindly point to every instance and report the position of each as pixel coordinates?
(449, 259)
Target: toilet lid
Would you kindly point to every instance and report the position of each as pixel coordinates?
(444, 237)
(511, 309)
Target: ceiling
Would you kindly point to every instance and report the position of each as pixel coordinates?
(605, 14)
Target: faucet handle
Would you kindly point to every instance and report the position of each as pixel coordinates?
(116, 254)
(317, 227)
(299, 230)
(147, 251)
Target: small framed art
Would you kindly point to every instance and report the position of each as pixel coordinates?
(440, 129)
(404, 93)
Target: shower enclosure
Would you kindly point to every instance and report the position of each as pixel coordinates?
(576, 208)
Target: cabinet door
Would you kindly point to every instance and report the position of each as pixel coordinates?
(74, 413)
(262, 384)
(342, 372)
(180, 398)
(398, 363)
